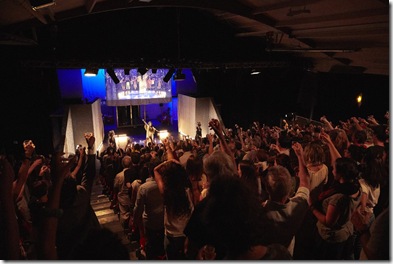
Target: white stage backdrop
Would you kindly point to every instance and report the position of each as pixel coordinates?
(192, 110)
(83, 118)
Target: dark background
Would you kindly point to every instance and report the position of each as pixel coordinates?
(31, 95)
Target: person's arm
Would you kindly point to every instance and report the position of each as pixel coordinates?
(79, 164)
(23, 172)
(356, 124)
(7, 211)
(158, 174)
(90, 170)
(169, 150)
(328, 125)
(304, 177)
(331, 216)
(47, 235)
(334, 154)
(216, 126)
(210, 139)
(371, 119)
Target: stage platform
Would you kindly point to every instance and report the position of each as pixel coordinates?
(137, 132)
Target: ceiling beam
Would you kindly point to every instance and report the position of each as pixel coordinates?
(341, 30)
(342, 16)
(36, 14)
(90, 5)
(283, 4)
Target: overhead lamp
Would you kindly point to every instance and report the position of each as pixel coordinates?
(142, 71)
(169, 74)
(112, 74)
(39, 4)
(127, 71)
(179, 76)
(255, 72)
(91, 72)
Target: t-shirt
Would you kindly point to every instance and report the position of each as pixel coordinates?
(343, 228)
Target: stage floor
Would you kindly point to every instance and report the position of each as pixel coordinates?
(137, 133)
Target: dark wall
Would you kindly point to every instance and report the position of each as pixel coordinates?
(28, 98)
(244, 98)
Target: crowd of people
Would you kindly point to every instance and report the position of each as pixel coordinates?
(296, 192)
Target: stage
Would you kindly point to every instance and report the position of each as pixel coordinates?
(137, 132)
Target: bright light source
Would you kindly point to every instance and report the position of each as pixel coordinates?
(255, 72)
(91, 72)
(359, 99)
(163, 134)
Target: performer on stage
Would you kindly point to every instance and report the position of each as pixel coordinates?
(198, 136)
(150, 130)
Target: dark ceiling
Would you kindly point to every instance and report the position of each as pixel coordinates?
(350, 36)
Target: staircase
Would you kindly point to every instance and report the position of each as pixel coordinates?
(107, 218)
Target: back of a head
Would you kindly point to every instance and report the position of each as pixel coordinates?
(285, 161)
(232, 214)
(135, 158)
(218, 163)
(126, 161)
(194, 166)
(278, 182)
(379, 132)
(360, 136)
(347, 168)
(314, 154)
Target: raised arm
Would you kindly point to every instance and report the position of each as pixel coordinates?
(334, 154)
(215, 125)
(328, 125)
(304, 177)
(23, 172)
(47, 235)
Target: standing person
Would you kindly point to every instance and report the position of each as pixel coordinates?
(283, 214)
(198, 135)
(150, 130)
(149, 215)
(334, 239)
(121, 191)
(172, 181)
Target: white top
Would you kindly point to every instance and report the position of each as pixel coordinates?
(372, 195)
(174, 226)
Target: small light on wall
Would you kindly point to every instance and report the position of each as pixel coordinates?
(359, 99)
(91, 72)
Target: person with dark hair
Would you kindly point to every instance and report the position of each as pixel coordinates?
(172, 181)
(285, 161)
(373, 173)
(148, 215)
(248, 173)
(194, 169)
(231, 218)
(78, 215)
(333, 210)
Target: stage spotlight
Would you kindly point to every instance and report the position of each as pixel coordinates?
(127, 71)
(154, 71)
(179, 76)
(91, 72)
(168, 76)
(112, 74)
(142, 71)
